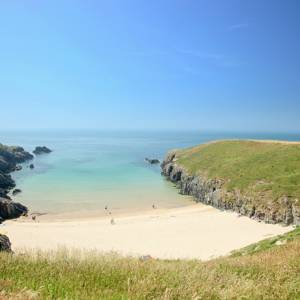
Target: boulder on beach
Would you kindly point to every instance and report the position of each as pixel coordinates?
(152, 161)
(41, 150)
(11, 210)
(5, 245)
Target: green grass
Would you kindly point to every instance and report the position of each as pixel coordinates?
(263, 170)
(268, 243)
(271, 273)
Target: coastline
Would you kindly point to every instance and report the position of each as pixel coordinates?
(193, 232)
(212, 189)
(99, 214)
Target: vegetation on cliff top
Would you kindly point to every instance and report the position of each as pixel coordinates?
(268, 169)
(270, 273)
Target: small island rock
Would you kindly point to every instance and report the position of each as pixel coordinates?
(41, 150)
(152, 161)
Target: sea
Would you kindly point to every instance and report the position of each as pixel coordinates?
(89, 170)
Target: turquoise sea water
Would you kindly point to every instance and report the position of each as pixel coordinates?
(88, 170)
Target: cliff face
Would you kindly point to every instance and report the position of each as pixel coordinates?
(212, 192)
(9, 158)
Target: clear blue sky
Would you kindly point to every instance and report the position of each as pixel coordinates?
(201, 64)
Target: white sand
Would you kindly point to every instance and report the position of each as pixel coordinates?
(197, 231)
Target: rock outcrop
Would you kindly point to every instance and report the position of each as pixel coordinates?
(152, 161)
(212, 192)
(18, 168)
(16, 192)
(5, 244)
(10, 157)
(6, 182)
(41, 150)
(3, 194)
(11, 210)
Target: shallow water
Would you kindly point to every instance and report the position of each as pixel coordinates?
(91, 169)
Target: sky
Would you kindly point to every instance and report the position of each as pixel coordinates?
(161, 64)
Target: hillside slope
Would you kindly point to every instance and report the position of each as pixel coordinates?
(260, 179)
(267, 270)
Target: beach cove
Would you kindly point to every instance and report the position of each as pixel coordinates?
(89, 170)
(95, 191)
(196, 231)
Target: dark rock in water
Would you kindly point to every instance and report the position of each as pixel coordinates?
(41, 150)
(152, 161)
(16, 192)
(4, 165)
(6, 182)
(31, 166)
(18, 168)
(10, 156)
(5, 245)
(11, 210)
(3, 194)
(21, 155)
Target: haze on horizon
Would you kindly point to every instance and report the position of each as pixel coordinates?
(230, 65)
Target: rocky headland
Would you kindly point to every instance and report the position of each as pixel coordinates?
(10, 158)
(199, 173)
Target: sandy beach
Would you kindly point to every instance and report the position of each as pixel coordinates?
(197, 231)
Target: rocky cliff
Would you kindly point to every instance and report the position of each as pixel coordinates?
(211, 191)
(9, 158)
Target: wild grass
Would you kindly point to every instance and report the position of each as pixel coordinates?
(268, 170)
(271, 273)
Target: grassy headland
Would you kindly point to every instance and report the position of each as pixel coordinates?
(265, 173)
(267, 270)
(256, 167)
